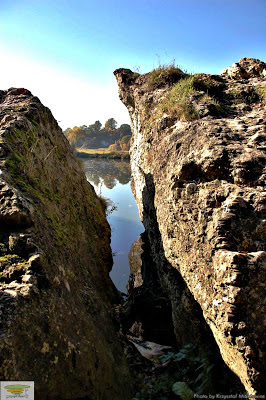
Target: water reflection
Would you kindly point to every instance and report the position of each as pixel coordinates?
(106, 171)
(111, 179)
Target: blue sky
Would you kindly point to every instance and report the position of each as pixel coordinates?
(66, 51)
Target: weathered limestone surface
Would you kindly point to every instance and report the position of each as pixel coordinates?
(56, 321)
(199, 186)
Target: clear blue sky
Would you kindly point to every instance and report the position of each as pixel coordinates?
(65, 51)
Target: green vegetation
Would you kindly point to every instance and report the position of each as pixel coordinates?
(50, 194)
(212, 85)
(182, 390)
(95, 136)
(182, 99)
(122, 144)
(58, 230)
(110, 124)
(210, 100)
(102, 153)
(177, 102)
(65, 209)
(249, 96)
(8, 260)
(136, 75)
(164, 73)
(108, 205)
(3, 248)
(11, 266)
(261, 90)
(20, 162)
(186, 374)
(28, 176)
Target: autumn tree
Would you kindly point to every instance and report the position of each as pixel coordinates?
(96, 136)
(75, 136)
(125, 142)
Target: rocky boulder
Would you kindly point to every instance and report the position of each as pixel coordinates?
(245, 69)
(57, 326)
(198, 162)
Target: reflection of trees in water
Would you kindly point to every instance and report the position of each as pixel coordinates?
(95, 179)
(110, 171)
(109, 181)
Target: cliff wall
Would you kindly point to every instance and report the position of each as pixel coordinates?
(57, 325)
(198, 166)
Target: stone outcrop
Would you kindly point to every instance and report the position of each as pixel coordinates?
(56, 321)
(198, 166)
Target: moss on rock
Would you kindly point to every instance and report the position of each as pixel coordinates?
(57, 296)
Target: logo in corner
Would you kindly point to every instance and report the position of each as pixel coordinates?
(17, 390)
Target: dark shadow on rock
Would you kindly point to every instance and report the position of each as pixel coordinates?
(164, 307)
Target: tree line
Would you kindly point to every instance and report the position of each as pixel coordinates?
(97, 136)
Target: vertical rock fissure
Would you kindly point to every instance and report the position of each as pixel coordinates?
(198, 166)
(161, 309)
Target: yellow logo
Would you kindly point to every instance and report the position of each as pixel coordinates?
(16, 389)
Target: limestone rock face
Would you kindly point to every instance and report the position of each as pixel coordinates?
(199, 184)
(245, 68)
(57, 326)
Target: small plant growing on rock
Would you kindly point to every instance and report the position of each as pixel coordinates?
(261, 90)
(215, 103)
(9, 260)
(166, 73)
(185, 374)
(177, 102)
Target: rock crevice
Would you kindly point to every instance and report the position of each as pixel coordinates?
(198, 166)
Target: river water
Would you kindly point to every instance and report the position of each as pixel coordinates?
(111, 179)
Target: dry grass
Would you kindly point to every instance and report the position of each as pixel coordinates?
(261, 90)
(167, 72)
(101, 153)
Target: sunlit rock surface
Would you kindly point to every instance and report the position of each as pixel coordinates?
(199, 186)
(57, 326)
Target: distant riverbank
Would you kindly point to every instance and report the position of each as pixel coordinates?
(101, 153)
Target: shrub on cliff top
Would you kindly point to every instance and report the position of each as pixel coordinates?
(167, 73)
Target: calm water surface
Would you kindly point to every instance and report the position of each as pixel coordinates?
(111, 179)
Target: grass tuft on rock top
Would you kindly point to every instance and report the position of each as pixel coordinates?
(164, 73)
(261, 90)
(177, 102)
(183, 100)
(210, 100)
